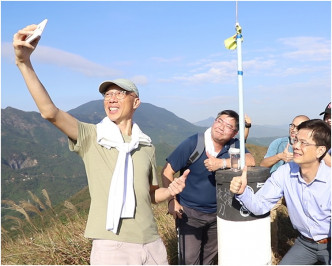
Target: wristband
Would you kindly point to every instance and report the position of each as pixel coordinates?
(170, 200)
(168, 204)
(248, 125)
(224, 164)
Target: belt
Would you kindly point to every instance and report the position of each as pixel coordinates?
(322, 241)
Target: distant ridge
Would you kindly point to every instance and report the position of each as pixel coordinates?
(35, 154)
(256, 131)
(206, 122)
(161, 125)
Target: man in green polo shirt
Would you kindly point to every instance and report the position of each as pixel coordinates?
(120, 164)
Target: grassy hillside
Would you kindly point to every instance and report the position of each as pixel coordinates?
(53, 235)
(257, 151)
(35, 155)
(43, 222)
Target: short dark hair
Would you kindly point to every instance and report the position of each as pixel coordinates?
(232, 114)
(321, 133)
(325, 115)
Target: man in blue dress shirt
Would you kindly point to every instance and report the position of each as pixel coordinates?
(305, 184)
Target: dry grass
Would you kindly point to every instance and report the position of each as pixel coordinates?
(48, 237)
(61, 242)
(166, 228)
(59, 245)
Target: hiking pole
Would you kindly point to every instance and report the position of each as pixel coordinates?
(178, 238)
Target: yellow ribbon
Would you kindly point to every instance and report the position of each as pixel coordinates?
(230, 43)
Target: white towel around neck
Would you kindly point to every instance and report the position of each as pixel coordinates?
(121, 198)
(209, 147)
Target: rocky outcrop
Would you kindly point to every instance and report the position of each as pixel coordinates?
(20, 161)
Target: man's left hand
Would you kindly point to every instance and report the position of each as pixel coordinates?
(212, 163)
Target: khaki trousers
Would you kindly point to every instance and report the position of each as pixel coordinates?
(110, 252)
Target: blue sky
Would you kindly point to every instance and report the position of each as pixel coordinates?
(175, 54)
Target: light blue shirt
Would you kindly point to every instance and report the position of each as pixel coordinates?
(309, 205)
(277, 146)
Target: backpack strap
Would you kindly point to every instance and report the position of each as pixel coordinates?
(199, 149)
(200, 146)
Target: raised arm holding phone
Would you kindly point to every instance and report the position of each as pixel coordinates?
(120, 165)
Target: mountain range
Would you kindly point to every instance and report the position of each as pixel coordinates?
(261, 135)
(35, 155)
(256, 131)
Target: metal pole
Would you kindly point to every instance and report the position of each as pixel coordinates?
(240, 84)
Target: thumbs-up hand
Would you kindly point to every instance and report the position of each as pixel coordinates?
(178, 184)
(286, 155)
(184, 176)
(212, 163)
(239, 183)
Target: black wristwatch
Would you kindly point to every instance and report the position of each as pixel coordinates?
(247, 125)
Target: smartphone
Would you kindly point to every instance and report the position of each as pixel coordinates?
(37, 32)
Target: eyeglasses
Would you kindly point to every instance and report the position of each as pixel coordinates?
(222, 122)
(303, 143)
(119, 94)
(292, 126)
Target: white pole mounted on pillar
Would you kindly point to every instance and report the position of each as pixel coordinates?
(240, 85)
(232, 43)
(255, 244)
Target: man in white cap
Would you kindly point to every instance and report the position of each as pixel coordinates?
(120, 165)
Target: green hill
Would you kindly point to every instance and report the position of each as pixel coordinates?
(161, 125)
(36, 164)
(55, 235)
(35, 155)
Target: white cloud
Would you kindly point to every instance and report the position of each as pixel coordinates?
(139, 80)
(223, 71)
(53, 56)
(297, 62)
(208, 72)
(308, 48)
(295, 89)
(166, 60)
(212, 75)
(256, 66)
